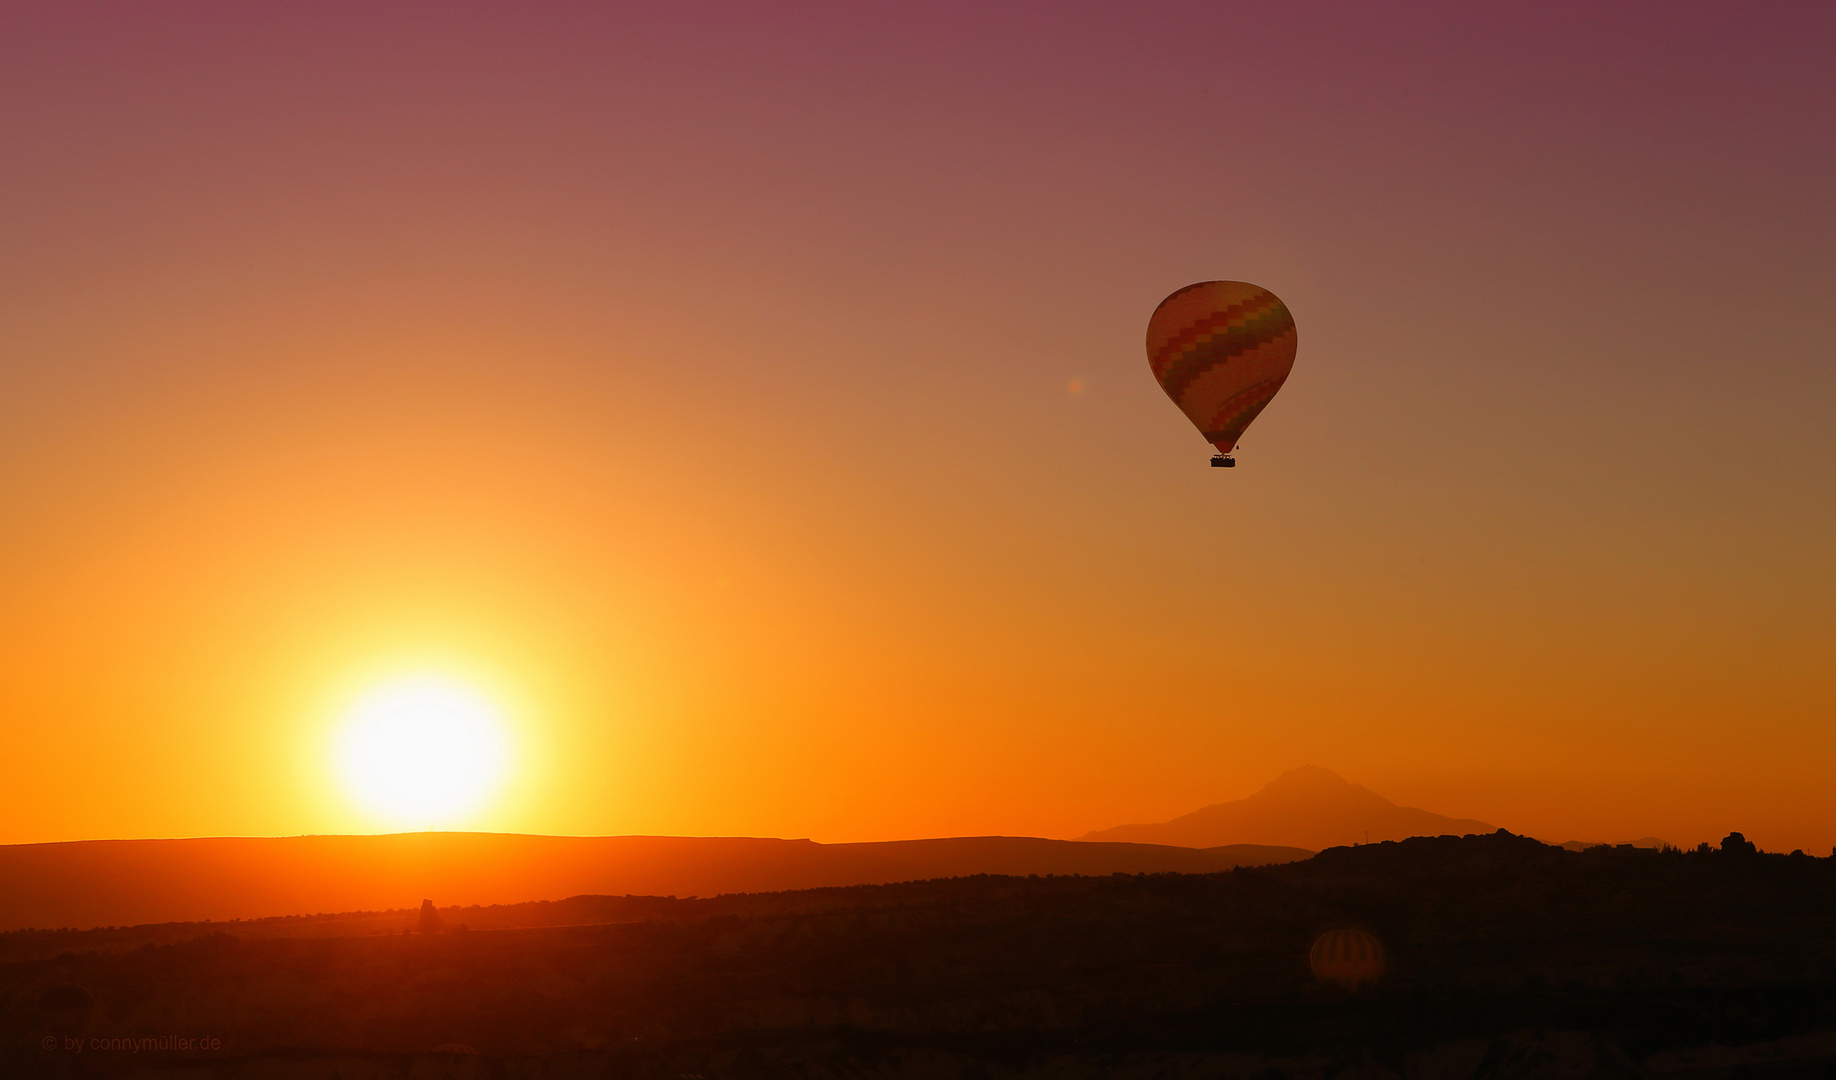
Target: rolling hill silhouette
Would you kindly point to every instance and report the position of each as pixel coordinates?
(1307, 807)
(1510, 960)
(124, 882)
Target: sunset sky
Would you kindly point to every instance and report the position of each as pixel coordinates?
(748, 401)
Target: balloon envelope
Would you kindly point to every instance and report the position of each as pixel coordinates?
(1220, 350)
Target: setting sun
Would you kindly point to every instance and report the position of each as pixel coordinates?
(422, 752)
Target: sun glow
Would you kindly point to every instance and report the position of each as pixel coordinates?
(422, 751)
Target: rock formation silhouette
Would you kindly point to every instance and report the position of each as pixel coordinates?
(1736, 844)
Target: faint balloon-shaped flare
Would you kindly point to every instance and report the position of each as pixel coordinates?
(1346, 959)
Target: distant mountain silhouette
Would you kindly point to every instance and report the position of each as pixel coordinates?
(1306, 807)
(128, 882)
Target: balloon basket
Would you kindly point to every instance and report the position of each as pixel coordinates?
(1221, 461)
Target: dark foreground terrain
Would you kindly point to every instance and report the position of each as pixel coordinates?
(1507, 958)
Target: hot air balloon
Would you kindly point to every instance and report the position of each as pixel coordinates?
(1346, 959)
(1220, 349)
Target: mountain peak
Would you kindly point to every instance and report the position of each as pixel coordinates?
(1308, 807)
(1308, 779)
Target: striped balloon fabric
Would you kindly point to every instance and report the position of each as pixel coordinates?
(1220, 350)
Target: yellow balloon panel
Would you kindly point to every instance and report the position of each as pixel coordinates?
(1221, 349)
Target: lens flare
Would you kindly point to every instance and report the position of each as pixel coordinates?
(422, 751)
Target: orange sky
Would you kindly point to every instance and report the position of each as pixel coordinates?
(700, 384)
